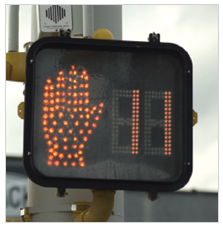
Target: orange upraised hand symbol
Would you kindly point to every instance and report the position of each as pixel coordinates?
(68, 117)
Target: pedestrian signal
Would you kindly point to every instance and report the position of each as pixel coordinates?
(108, 114)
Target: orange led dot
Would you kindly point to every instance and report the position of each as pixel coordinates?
(54, 123)
(74, 146)
(87, 116)
(49, 142)
(89, 132)
(94, 108)
(85, 139)
(60, 114)
(51, 87)
(92, 112)
(55, 153)
(70, 131)
(82, 164)
(81, 76)
(81, 93)
(86, 94)
(75, 94)
(61, 73)
(86, 78)
(69, 156)
(101, 105)
(75, 155)
(52, 109)
(72, 116)
(75, 109)
(51, 130)
(86, 85)
(81, 85)
(56, 146)
(80, 152)
(51, 101)
(81, 131)
(75, 102)
(50, 150)
(75, 72)
(51, 115)
(46, 94)
(45, 122)
(100, 111)
(84, 72)
(65, 147)
(96, 118)
(50, 157)
(86, 101)
(65, 122)
(69, 102)
(86, 109)
(46, 136)
(80, 108)
(46, 87)
(73, 164)
(55, 138)
(81, 159)
(65, 163)
(49, 163)
(94, 125)
(51, 94)
(76, 123)
(60, 130)
(57, 93)
(63, 85)
(81, 101)
(72, 67)
(81, 146)
(75, 138)
(81, 116)
(46, 101)
(68, 109)
(75, 87)
(65, 139)
(86, 124)
(61, 156)
(70, 73)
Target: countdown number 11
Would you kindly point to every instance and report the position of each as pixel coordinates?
(149, 122)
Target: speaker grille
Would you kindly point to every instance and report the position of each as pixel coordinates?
(55, 13)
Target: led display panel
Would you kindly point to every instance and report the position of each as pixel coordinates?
(108, 114)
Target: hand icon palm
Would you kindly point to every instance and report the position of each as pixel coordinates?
(68, 117)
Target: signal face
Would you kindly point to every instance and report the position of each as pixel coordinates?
(108, 114)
